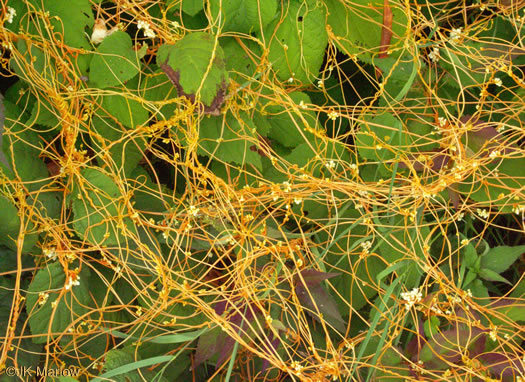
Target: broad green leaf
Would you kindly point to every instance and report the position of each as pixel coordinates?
(125, 110)
(148, 196)
(380, 138)
(27, 352)
(70, 306)
(357, 283)
(114, 62)
(431, 326)
(70, 19)
(490, 275)
(190, 7)
(358, 25)
(44, 113)
(463, 71)
(402, 243)
(499, 259)
(32, 62)
(289, 126)
(96, 208)
(297, 40)
(230, 138)
(242, 58)
(243, 16)
(10, 227)
(196, 66)
(157, 89)
(318, 156)
(123, 149)
(496, 188)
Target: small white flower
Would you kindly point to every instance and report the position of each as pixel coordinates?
(175, 24)
(366, 245)
(194, 211)
(494, 154)
(455, 35)
(411, 298)
(354, 168)
(290, 80)
(148, 32)
(483, 213)
(442, 121)
(11, 13)
(42, 298)
(320, 83)
(297, 200)
(333, 115)
(71, 281)
(302, 105)
(434, 54)
(287, 187)
(497, 81)
(519, 209)
(50, 253)
(331, 164)
(493, 334)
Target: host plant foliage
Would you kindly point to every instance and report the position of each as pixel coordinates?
(263, 190)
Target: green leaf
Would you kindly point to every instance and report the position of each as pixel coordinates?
(70, 19)
(463, 70)
(27, 352)
(156, 87)
(10, 227)
(125, 110)
(242, 58)
(96, 208)
(196, 66)
(148, 196)
(297, 41)
(190, 7)
(34, 58)
(229, 138)
(115, 61)
(115, 121)
(70, 306)
(358, 26)
(490, 275)
(378, 139)
(431, 326)
(289, 126)
(495, 188)
(44, 113)
(244, 16)
(499, 259)
(122, 366)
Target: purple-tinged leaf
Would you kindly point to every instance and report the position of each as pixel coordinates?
(274, 344)
(415, 345)
(501, 365)
(224, 348)
(439, 160)
(314, 277)
(449, 346)
(320, 301)
(207, 346)
(454, 197)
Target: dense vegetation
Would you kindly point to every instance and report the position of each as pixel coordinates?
(262, 190)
